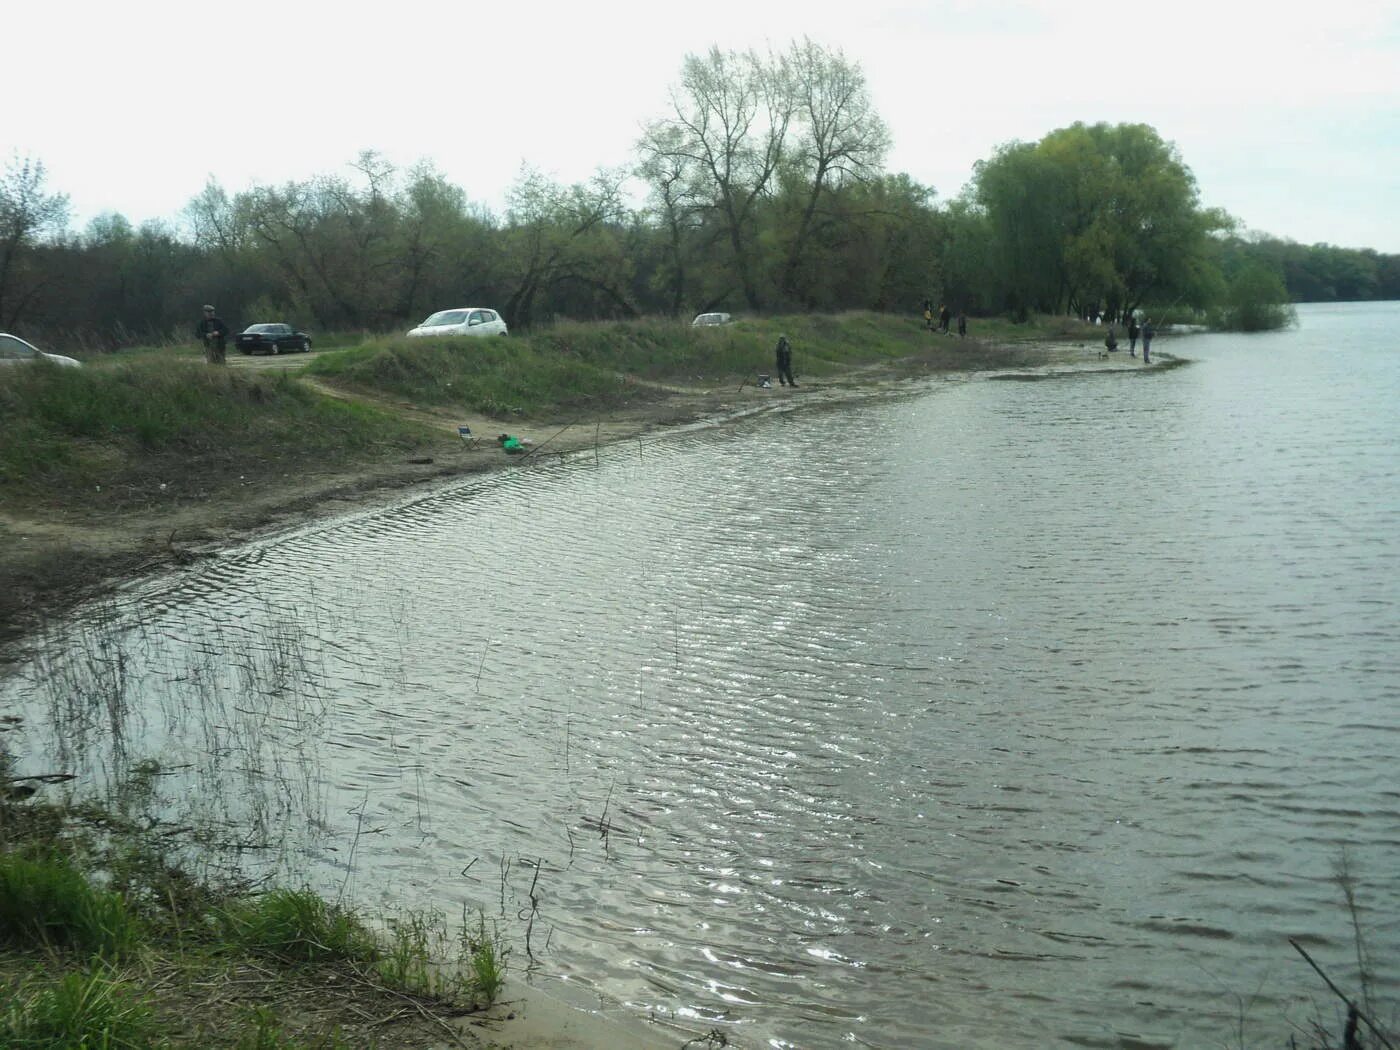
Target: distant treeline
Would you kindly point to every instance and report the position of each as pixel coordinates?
(762, 189)
(1320, 273)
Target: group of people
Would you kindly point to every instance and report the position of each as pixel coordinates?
(1146, 331)
(944, 318)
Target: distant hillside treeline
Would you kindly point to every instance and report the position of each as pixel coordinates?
(1320, 273)
(762, 188)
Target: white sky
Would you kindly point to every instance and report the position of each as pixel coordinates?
(1289, 115)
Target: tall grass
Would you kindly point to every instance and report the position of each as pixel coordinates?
(46, 901)
(419, 958)
(69, 428)
(80, 1011)
(298, 926)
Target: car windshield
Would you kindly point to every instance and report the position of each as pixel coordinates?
(263, 329)
(445, 317)
(12, 349)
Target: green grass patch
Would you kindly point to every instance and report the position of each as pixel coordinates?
(46, 901)
(419, 957)
(79, 1011)
(114, 427)
(297, 926)
(609, 364)
(498, 377)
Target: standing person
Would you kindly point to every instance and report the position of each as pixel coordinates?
(944, 316)
(962, 324)
(928, 314)
(784, 361)
(1132, 335)
(211, 331)
(1147, 333)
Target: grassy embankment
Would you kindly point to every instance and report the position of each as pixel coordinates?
(574, 367)
(105, 942)
(144, 428)
(152, 439)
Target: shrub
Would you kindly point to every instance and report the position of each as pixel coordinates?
(1257, 302)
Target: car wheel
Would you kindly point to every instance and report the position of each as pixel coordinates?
(246, 352)
(276, 348)
(306, 346)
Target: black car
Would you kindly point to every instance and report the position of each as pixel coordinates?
(272, 339)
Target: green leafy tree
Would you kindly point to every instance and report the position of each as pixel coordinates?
(1105, 214)
(561, 240)
(28, 212)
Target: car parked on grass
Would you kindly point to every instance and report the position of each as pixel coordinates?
(704, 319)
(464, 320)
(271, 338)
(15, 351)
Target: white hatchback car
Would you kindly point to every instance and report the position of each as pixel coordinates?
(466, 320)
(707, 319)
(15, 351)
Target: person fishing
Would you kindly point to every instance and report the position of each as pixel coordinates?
(783, 361)
(514, 446)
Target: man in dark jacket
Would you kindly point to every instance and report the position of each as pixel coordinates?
(211, 331)
(784, 362)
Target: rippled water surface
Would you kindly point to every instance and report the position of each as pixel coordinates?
(993, 714)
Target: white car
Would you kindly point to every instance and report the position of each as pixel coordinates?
(15, 351)
(704, 319)
(465, 320)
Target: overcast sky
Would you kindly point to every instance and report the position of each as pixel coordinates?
(1288, 114)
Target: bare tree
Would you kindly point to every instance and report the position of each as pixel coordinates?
(727, 132)
(839, 136)
(670, 174)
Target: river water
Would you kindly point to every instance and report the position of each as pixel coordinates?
(993, 713)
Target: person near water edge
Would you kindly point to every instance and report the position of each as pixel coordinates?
(944, 316)
(962, 324)
(211, 331)
(1147, 333)
(783, 360)
(1133, 331)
